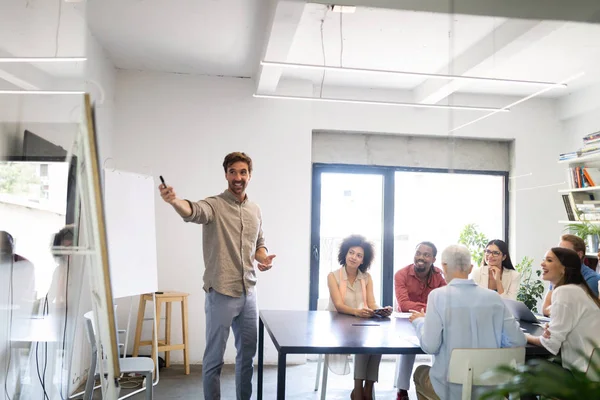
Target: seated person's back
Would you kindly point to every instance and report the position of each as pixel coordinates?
(462, 315)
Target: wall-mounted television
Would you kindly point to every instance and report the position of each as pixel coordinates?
(38, 150)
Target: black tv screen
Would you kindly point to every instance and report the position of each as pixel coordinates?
(38, 149)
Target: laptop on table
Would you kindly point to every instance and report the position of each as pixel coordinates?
(522, 313)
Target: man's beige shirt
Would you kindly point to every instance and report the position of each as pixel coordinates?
(231, 234)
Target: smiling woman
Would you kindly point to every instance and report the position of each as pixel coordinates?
(575, 311)
(351, 292)
(497, 272)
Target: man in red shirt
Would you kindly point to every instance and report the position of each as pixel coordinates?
(413, 284)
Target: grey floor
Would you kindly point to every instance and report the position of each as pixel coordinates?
(300, 381)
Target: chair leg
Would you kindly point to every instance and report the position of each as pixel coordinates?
(149, 387)
(397, 371)
(91, 379)
(324, 382)
(138, 327)
(319, 362)
(467, 387)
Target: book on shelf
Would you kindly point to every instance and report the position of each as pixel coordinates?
(591, 138)
(591, 145)
(570, 213)
(582, 177)
(576, 209)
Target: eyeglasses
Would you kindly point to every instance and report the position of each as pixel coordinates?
(492, 253)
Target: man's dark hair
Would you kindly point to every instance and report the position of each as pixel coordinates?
(236, 156)
(429, 244)
(6, 243)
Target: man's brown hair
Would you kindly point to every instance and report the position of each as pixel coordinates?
(236, 156)
(576, 241)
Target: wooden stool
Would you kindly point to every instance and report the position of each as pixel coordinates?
(164, 345)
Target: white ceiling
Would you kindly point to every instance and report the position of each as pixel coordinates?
(420, 42)
(381, 39)
(32, 28)
(209, 37)
(228, 38)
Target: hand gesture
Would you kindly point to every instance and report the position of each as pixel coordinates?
(386, 312)
(546, 333)
(267, 263)
(364, 313)
(496, 273)
(167, 193)
(416, 314)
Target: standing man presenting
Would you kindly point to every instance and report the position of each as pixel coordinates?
(232, 239)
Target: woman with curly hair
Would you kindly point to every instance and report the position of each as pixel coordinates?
(351, 292)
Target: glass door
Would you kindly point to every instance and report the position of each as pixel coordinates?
(347, 203)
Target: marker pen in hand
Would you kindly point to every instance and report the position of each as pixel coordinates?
(163, 181)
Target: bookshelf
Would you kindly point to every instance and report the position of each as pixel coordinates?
(578, 222)
(585, 189)
(589, 159)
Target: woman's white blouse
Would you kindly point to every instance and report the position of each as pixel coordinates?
(511, 280)
(574, 323)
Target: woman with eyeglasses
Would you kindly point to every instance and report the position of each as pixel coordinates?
(497, 272)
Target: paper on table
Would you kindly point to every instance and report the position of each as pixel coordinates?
(411, 339)
(542, 318)
(396, 314)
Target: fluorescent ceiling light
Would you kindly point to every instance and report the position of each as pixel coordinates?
(385, 103)
(41, 59)
(405, 73)
(41, 92)
(531, 96)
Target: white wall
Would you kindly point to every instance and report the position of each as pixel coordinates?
(181, 127)
(574, 129)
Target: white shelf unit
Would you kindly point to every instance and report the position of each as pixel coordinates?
(589, 159)
(585, 189)
(579, 222)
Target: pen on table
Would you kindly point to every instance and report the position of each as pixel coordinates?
(365, 324)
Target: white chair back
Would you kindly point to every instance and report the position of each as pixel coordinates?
(594, 360)
(468, 365)
(322, 303)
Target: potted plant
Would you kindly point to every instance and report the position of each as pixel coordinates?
(475, 242)
(546, 379)
(532, 288)
(588, 231)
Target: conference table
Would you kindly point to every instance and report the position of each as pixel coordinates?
(325, 332)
